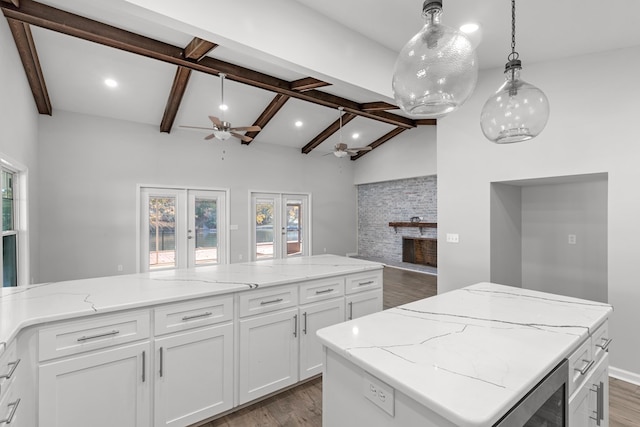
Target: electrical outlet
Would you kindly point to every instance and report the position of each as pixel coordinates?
(239, 257)
(120, 267)
(453, 238)
(572, 239)
(383, 395)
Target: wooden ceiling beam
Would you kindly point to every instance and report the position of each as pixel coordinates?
(322, 136)
(377, 106)
(426, 122)
(29, 57)
(16, 3)
(58, 20)
(308, 83)
(196, 50)
(378, 142)
(269, 113)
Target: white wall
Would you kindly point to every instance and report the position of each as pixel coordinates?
(549, 263)
(91, 167)
(411, 154)
(594, 107)
(19, 131)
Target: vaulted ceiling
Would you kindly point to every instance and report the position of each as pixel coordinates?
(168, 78)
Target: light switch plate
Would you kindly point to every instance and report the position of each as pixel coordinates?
(453, 238)
(380, 393)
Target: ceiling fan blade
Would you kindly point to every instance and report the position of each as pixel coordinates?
(247, 129)
(194, 127)
(216, 121)
(367, 148)
(208, 137)
(244, 138)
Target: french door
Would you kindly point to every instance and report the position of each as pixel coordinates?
(182, 228)
(281, 226)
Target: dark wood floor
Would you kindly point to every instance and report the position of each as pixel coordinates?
(302, 406)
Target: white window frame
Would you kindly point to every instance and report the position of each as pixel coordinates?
(21, 218)
(181, 193)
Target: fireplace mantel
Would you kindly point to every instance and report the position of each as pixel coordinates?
(421, 225)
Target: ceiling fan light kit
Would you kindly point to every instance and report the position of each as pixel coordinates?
(517, 111)
(343, 150)
(437, 70)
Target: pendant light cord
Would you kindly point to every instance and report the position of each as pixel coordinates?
(513, 55)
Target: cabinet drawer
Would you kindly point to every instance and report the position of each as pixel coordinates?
(267, 300)
(580, 365)
(319, 290)
(363, 281)
(192, 314)
(91, 334)
(600, 340)
(8, 368)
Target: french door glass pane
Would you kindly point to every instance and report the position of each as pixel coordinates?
(264, 228)
(294, 227)
(206, 224)
(9, 261)
(162, 232)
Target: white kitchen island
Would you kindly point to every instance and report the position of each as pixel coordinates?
(171, 348)
(464, 358)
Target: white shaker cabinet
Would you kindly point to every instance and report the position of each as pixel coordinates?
(313, 317)
(268, 353)
(193, 369)
(363, 294)
(101, 389)
(194, 375)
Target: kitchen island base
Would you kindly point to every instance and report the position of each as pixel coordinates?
(345, 387)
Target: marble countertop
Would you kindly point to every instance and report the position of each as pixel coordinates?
(470, 354)
(29, 305)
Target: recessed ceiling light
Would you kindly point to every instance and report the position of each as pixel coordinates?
(355, 135)
(469, 28)
(110, 83)
(298, 124)
(224, 107)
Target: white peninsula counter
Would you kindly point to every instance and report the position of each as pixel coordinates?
(171, 348)
(462, 358)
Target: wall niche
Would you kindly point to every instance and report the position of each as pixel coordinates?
(550, 234)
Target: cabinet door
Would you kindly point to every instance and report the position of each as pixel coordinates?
(598, 385)
(194, 375)
(363, 303)
(579, 408)
(314, 317)
(268, 353)
(103, 389)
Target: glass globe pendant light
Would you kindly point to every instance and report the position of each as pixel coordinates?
(517, 111)
(436, 70)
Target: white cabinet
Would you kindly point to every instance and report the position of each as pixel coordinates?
(194, 375)
(364, 294)
(589, 381)
(313, 317)
(95, 372)
(268, 353)
(100, 389)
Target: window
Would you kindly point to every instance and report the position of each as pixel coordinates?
(282, 225)
(182, 228)
(15, 262)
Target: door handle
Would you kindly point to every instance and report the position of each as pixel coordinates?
(161, 361)
(350, 310)
(305, 322)
(295, 325)
(14, 408)
(144, 366)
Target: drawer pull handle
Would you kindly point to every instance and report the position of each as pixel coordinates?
(273, 301)
(370, 282)
(14, 408)
(91, 337)
(584, 370)
(13, 365)
(605, 346)
(326, 291)
(197, 316)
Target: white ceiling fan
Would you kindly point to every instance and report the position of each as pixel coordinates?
(341, 149)
(222, 130)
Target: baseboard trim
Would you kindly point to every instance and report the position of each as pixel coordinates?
(351, 254)
(621, 374)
